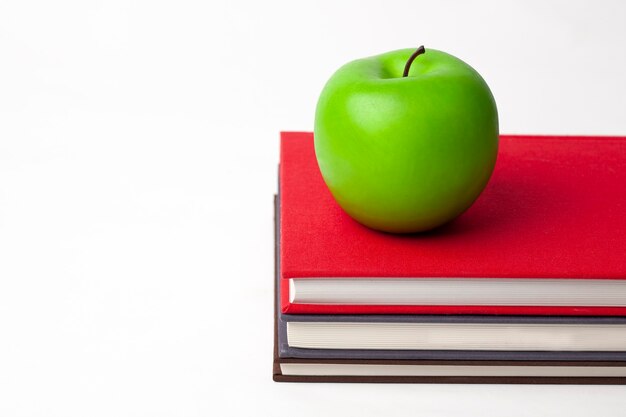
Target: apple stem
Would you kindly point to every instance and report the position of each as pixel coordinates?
(415, 54)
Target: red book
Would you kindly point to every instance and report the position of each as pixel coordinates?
(547, 236)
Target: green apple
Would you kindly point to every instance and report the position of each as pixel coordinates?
(407, 140)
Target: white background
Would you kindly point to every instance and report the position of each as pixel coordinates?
(138, 153)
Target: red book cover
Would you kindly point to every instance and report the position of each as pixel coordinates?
(555, 208)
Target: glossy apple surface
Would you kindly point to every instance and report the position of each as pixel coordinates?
(406, 154)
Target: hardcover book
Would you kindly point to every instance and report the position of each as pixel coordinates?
(464, 372)
(546, 237)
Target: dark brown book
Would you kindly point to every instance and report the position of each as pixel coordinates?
(452, 372)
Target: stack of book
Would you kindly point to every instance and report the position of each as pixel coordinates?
(527, 286)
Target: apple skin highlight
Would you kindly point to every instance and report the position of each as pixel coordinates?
(406, 154)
